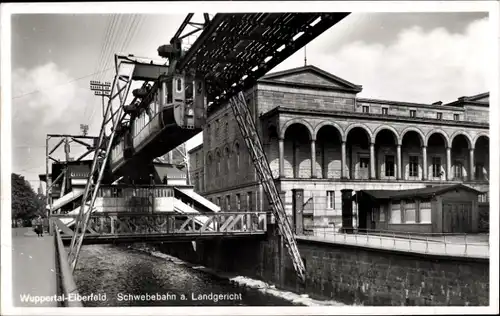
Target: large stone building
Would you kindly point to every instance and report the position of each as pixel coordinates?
(320, 137)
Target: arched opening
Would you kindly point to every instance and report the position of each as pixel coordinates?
(436, 157)
(482, 158)
(358, 153)
(297, 152)
(411, 156)
(218, 162)
(237, 157)
(386, 154)
(460, 161)
(227, 157)
(272, 149)
(209, 169)
(328, 153)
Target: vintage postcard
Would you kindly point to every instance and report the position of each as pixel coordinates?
(249, 158)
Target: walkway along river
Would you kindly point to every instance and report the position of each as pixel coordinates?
(119, 276)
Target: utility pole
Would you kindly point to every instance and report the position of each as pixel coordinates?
(101, 89)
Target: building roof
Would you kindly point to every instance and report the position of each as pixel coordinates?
(478, 97)
(310, 76)
(192, 150)
(412, 193)
(481, 99)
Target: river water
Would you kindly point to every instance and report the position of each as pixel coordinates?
(127, 277)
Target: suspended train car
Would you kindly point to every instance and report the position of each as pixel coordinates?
(169, 113)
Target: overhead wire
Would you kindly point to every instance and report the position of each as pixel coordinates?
(127, 38)
(103, 45)
(58, 85)
(104, 49)
(109, 53)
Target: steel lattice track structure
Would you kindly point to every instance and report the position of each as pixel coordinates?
(231, 52)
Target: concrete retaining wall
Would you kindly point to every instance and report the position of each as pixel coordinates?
(349, 274)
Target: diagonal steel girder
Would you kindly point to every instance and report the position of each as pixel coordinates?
(98, 164)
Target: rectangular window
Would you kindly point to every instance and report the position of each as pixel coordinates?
(250, 202)
(218, 201)
(366, 109)
(410, 216)
(439, 115)
(330, 199)
(456, 117)
(238, 202)
(389, 166)
(383, 209)
(413, 166)
(228, 203)
(396, 213)
(385, 111)
(425, 212)
(457, 170)
(436, 167)
(413, 113)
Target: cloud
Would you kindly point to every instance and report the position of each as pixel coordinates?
(419, 66)
(46, 100)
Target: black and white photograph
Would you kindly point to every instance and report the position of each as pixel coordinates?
(214, 157)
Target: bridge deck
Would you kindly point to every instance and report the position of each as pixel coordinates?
(33, 267)
(152, 238)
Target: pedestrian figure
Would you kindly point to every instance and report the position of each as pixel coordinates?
(39, 226)
(46, 224)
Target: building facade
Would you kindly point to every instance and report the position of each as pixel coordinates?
(320, 137)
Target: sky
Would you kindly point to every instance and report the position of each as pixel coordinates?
(413, 57)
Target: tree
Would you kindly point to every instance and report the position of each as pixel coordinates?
(26, 204)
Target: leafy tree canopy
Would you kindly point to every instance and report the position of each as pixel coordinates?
(26, 204)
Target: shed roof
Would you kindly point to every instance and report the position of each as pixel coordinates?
(412, 193)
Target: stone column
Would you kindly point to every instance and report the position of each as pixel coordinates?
(313, 158)
(398, 158)
(281, 154)
(424, 162)
(372, 161)
(471, 167)
(343, 163)
(448, 163)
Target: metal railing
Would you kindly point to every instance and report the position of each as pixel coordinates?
(125, 224)
(464, 245)
(66, 282)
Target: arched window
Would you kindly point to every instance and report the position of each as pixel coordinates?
(209, 165)
(228, 164)
(217, 170)
(208, 134)
(237, 155)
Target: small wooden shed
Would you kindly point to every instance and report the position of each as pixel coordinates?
(438, 209)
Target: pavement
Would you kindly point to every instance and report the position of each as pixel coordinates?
(477, 246)
(33, 268)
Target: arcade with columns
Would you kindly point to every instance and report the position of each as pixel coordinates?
(320, 137)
